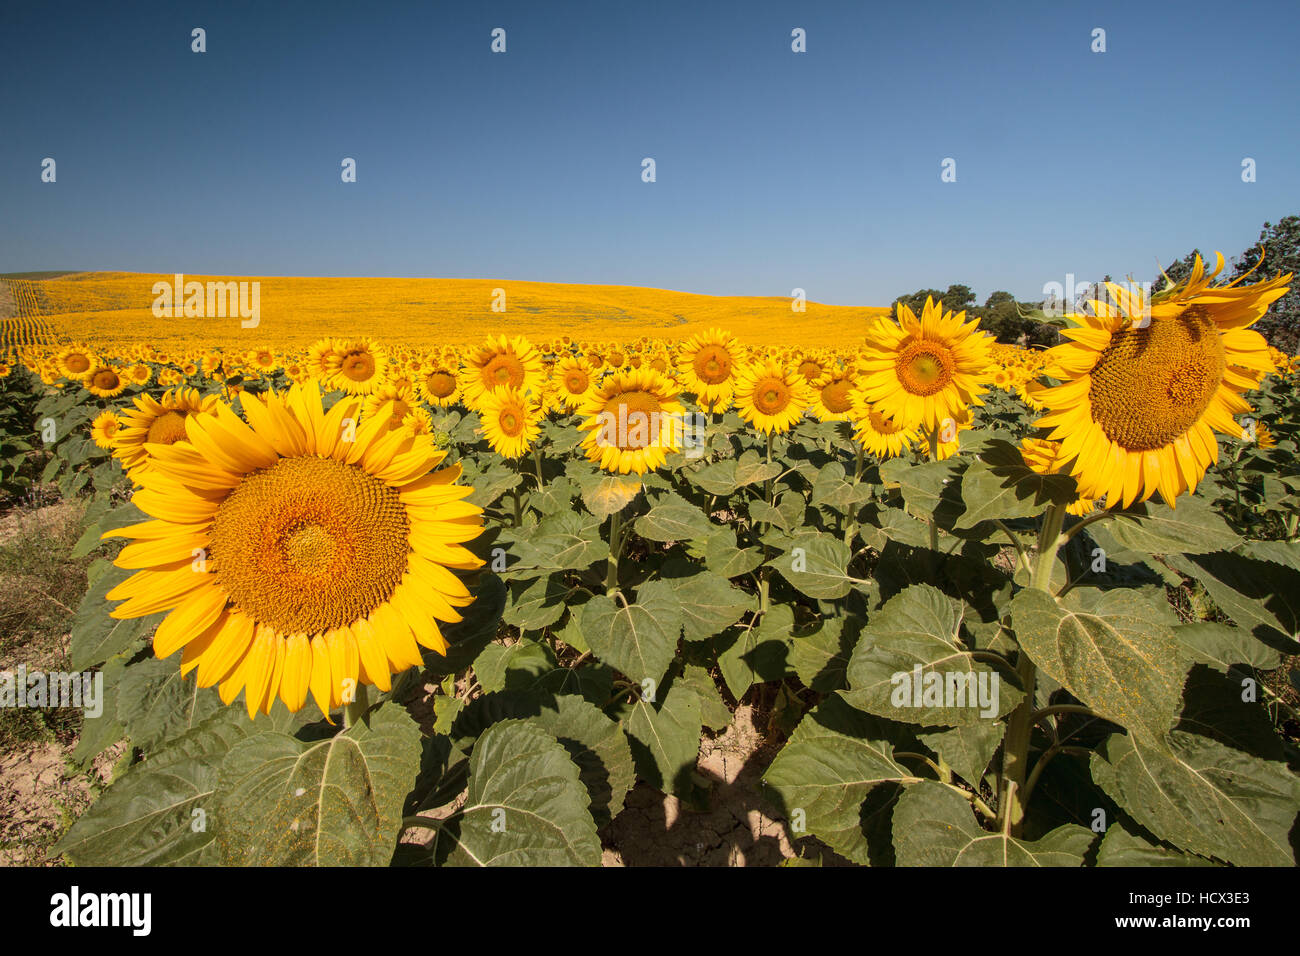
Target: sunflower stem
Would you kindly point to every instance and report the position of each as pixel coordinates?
(933, 439)
(611, 565)
(860, 455)
(518, 514)
(537, 460)
(356, 708)
(1012, 791)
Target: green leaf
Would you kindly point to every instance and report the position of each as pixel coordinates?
(724, 556)
(1114, 650)
(673, 519)
(998, 484)
(968, 750)
(928, 489)
(162, 812)
(95, 636)
(821, 658)
(921, 627)
(1125, 845)
(526, 805)
(934, 826)
(536, 603)
(714, 712)
(611, 493)
(665, 738)
(1222, 646)
(519, 667)
(596, 743)
(638, 639)
(154, 702)
(825, 774)
(335, 802)
(1261, 596)
(1194, 527)
(562, 542)
(1203, 797)
(708, 603)
(817, 565)
(749, 654)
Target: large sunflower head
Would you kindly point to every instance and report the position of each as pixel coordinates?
(707, 365)
(438, 384)
(297, 552)
(502, 363)
(770, 396)
(878, 434)
(76, 362)
(921, 371)
(832, 400)
(156, 422)
(105, 381)
(104, 428)
(633, 419)
(511, 420)
(574, 380)
(358, 367)
(1144, 388)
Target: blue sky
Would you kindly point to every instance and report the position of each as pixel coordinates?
(775, 170)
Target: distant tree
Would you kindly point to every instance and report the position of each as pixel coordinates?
(1281, 246)
(957, 298)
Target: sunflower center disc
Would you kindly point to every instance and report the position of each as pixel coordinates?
(106, 380)
(509, 423)
(810, 370)
(503, 370)
(835, 397)
(359, 366)
(310, 544)
(77, 362)
(712, 365)
(924, 368)
(632, 415)
(576, 383)
(771, 397)
(441, 384)
(882, 424)
(167, 429)
(1151, 385)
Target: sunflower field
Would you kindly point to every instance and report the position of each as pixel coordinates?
(366, 603)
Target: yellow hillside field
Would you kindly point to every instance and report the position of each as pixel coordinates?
(115, 309)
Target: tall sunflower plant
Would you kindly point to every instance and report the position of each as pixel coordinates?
(982, 597)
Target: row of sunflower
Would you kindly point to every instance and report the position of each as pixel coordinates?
(311, 532)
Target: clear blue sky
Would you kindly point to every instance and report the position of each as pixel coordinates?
(775, 170)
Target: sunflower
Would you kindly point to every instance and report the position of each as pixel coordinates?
(771, 397)
(139, 374)
(502, 362)
(156, 422)
(1262, 437)
(832, 400)
(633, 419)
(359, 367)
(813, 369)
(263, 360)
(76, 362)
(1140, 400)
(322, 562)
(5, 369)
(921, 371)
(575, 379)
(878, 434)
(320, 359)
(104, 429)
(437, 384)
(391, 400)
(707, 364)
(104, 382)
(510, 420)
(1044, 457)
